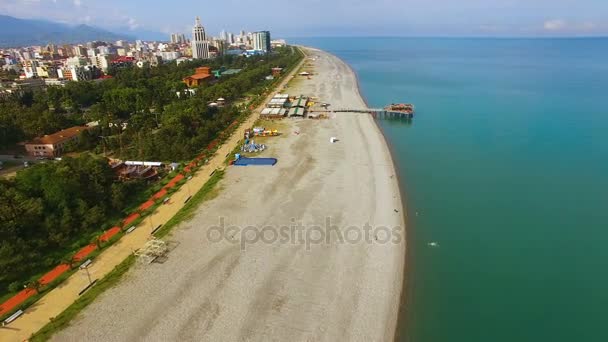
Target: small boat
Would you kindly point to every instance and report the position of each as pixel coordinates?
(433, 244)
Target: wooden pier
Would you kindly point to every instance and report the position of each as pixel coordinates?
(378, 113)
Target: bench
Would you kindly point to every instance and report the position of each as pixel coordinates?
(12, 317)
(85, 264)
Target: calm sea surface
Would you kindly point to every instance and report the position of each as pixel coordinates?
(505, 166)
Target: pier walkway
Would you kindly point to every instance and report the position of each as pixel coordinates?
(375, 112)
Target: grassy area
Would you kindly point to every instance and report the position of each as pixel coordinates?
(235, 150)
(63, 320)
(207, 192)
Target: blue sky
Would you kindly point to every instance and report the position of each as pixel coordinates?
(331, 17)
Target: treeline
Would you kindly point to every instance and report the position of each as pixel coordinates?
(140, 98)
(45, 209)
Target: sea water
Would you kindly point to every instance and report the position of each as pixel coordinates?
(504, 171)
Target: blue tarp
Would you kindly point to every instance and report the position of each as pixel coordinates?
(255, 161)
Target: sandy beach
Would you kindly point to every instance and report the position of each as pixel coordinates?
(281, 272)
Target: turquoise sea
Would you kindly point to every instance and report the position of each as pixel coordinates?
(505, 166)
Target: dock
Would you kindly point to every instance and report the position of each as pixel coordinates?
(392, 111)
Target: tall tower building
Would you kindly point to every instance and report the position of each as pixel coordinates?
(200, 45)
(261, 41)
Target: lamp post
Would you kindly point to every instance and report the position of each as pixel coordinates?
(85, 267)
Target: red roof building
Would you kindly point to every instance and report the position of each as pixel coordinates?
(201, 76)
(52, 145)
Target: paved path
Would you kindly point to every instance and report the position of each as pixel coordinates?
(57, 300)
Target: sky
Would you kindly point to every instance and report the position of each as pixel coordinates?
(510, 18)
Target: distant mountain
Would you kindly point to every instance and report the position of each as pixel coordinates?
(15, 32)
(146, 35)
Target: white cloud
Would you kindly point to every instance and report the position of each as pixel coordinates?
(77, 3)
(554, 25)
(132, 23)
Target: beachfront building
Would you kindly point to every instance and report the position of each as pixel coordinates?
(278, 101)
(298, 107)
(52, 145)
(261, 41)
(273, 113)
(200, 45)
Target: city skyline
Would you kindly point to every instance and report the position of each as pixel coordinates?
(340, 18)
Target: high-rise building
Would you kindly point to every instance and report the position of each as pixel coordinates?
(141, 46)
(200, 45)
(76, 61)
(220, 45)
(80, 51)
(30, 68)
(261, 41)
(102, 61)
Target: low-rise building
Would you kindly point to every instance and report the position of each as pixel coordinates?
(52, 145)
(202, 76)
(298, 106)
(276, 72)
(278, 101)
(273, 113)
(170, 55)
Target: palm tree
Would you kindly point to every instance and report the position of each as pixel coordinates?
(97, 241)
(35, 285)
(69, 261)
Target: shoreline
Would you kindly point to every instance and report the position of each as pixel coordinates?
(405, 291)
(402, 317)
